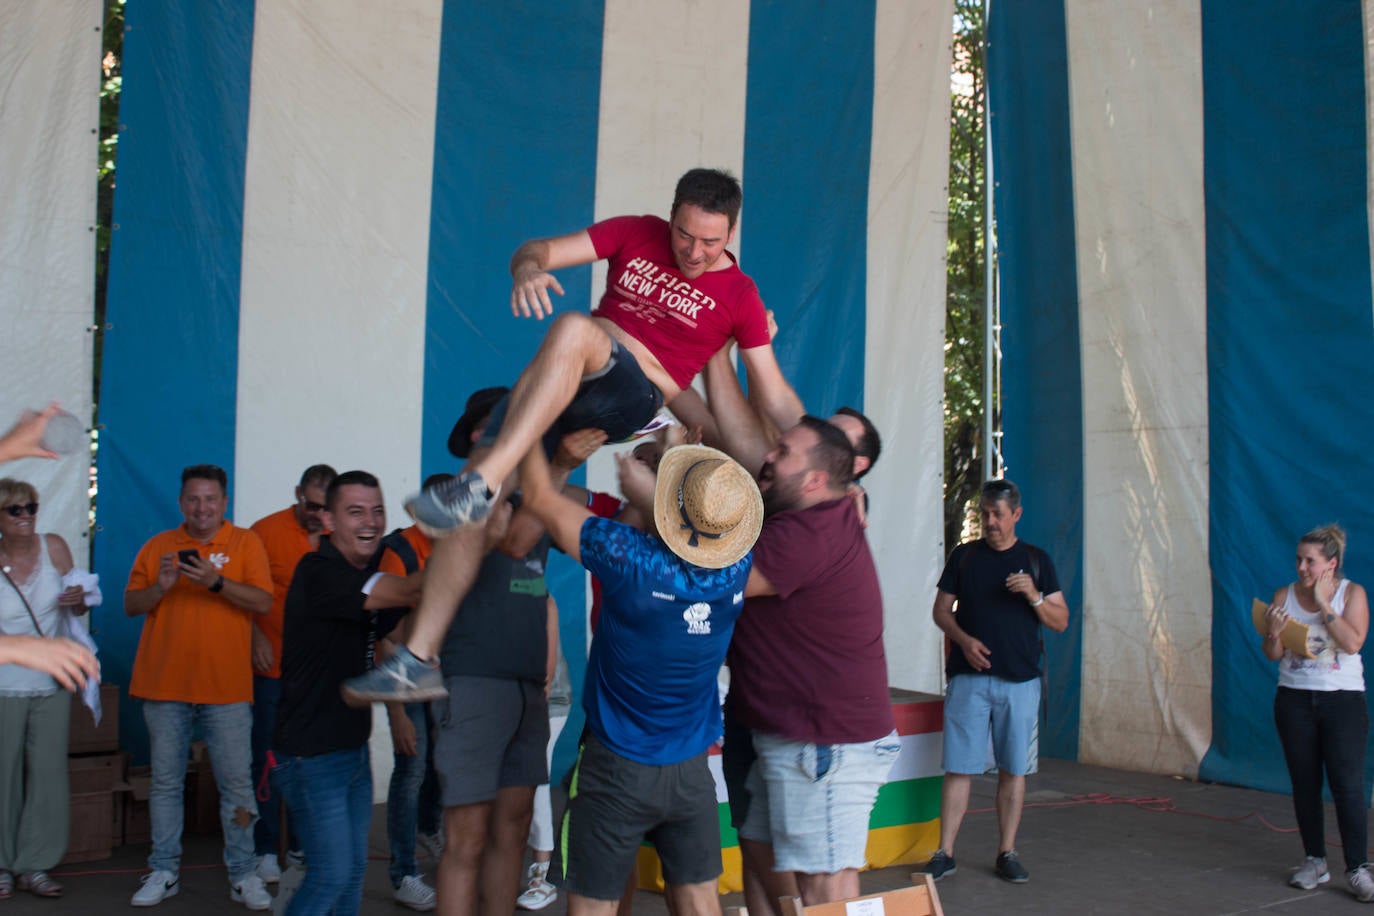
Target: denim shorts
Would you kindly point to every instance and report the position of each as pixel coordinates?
(813, 801)
(492, 734)
(983, 707)
(618, 399)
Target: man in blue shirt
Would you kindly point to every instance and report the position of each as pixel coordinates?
(669, 607)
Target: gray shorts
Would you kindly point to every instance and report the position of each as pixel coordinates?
(493, 733)
(614, 804)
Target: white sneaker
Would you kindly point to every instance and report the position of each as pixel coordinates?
(414, 893)
(1311, 873)
(251, 892)
(1361, 883)
(269, 870)
(539, 893)
(157, 887)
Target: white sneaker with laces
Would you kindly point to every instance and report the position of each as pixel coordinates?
(1310, 873)
(539, 893)
(269, 870)
(251, 892)
(414, 893)
(157, 887)
(1361, 883)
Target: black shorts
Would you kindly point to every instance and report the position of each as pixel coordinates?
(615, 803)
(493, 734)
(736, 760)
(618, 399)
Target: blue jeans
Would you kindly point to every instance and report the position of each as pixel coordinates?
(330, 797)
(267, 833)
(227, 729)
(412, 800)
(1326, 729)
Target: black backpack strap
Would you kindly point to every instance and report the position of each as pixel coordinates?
(397, 543)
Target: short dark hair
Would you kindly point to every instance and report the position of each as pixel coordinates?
(318, 475)
(433, 479)
(832, 453)
(1001, 490)
(713, 190)
(205, 472)
(870, 445)
(348, 478)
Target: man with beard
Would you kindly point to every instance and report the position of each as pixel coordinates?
(808, 670)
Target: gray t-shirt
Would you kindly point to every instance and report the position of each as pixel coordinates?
(500, 629)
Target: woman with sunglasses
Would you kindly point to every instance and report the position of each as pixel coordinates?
(1320, 705)
(34, 709)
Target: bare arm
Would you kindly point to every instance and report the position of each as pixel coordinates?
(69, 664)
(1051, 609)
(551, 633)
(777, 401)
(691, 411)
(23, 438)
(241, 595)
(395, 591)
(73, 598)
(139, 601)
(525, 527)
(530, 268)
(1277, 619)
(741, 434)
(561, 516)
(1350, 627)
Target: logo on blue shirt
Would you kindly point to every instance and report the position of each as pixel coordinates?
(698, 618)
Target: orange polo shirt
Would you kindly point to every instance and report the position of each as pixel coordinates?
(196, 647)
(286, 542)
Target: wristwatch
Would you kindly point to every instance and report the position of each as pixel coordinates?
(218, 586)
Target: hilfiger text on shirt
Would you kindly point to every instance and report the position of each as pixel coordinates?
(657, 286)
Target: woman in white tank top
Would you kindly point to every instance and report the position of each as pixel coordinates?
(1320, 706)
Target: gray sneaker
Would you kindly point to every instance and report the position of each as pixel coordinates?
(442, 509)
(1009, 868)
(402, 678)
(1361, 883)
(940, 865)
(1310, 873)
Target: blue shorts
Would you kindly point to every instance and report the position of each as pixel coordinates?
(983, 707)
(618, 399)
(813, 801)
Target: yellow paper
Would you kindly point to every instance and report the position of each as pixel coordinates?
(1294, 635)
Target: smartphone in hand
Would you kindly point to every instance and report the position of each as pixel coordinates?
(184, 556)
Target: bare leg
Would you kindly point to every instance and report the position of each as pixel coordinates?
(590, 906)
(465, 836)
(762, 885)
(509, 826)
(575, 346)
(824, 888)
(694, 899)
(450, 573)
(954, 792)
(1011, 798)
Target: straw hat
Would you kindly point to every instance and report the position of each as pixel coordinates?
(707, 507)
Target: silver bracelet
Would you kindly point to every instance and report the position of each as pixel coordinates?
(1039, 601)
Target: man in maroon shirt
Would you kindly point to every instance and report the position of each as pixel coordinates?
(808, 670)
(674, 297)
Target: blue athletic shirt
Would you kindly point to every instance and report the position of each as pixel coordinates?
(650, 693)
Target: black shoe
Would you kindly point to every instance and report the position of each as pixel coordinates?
(940, 864)
(1009, 868)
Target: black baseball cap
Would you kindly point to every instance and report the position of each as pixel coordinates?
(479, 405)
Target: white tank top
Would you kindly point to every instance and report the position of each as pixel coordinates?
(42, 588)
(1331, 669)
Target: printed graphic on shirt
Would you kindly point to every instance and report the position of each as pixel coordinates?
(656, 292)
(220, 560)
(698, 617)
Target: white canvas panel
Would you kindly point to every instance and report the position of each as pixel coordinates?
(335, 246)
(904, 356)
(49, 118)
(1136, 112)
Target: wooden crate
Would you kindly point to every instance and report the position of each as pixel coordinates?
(90, 836)
(83, 736)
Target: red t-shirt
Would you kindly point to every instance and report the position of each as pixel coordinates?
(808, 663)
(682, 322)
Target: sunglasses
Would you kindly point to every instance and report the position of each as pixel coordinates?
(18, 509)
(312, 506)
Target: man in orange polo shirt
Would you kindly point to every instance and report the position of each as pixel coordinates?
(200, 585)
(288, 535)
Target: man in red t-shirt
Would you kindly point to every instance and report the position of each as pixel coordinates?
(674, 296)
